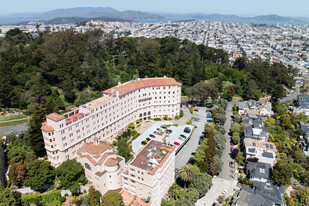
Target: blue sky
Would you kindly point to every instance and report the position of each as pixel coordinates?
(238, 7)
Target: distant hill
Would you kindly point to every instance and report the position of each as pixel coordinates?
(78, 20)
(81, 12)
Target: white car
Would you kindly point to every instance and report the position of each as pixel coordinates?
(224, 192)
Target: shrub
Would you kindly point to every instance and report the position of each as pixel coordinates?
(138, 121)
(131, 125)
(191, 109)
(165, 117)
(157, 119)
(189, 121)
(181, 114)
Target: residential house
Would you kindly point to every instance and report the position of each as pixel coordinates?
(264, 151)
(258, 171)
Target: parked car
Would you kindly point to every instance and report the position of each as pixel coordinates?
(232, 149)
(169, 131)
(183, 136)
(187, 130)
(196, 110)
(209, 121)
(208, 110)
(231, 164)
(154, 132)
(152, 136)
(232, 144)
(148, 139)
(193, 153)
(143, 142)
(191, 160)
(163, 126)
(176, 143)
(224, 192)
(208, 116)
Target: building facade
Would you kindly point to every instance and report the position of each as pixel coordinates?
(151, 173)
(102, 166)
(107, 116)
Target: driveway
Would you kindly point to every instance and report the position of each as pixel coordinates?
(185, 153)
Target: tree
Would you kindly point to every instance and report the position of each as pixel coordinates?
(174, 191)
(92, 196)
(124, 149)
(285, 121)
(40, 172)
(240, 157)
(209, 128)
(112, 198)
(193, 195)
(302, 194)
(282, 172)
(20, 154)
(235, 127)
(227, 96)
(236, 138)
(234, 153)
(201, 183)
(18, 173)
(186, 173)
(8, 198)
(278, 92)
(202, 90)
(35, 137)
(71, 175)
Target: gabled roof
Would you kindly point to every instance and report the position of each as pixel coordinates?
(258, 169)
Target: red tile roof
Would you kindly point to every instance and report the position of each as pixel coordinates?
(131, 86)
(47, 128)
(54, 116)
(94, 149)
(111, 162)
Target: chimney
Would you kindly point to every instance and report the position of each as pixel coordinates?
(119, 83)
(117, 93)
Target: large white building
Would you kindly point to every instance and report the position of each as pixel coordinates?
(151, 173)
(105, 117)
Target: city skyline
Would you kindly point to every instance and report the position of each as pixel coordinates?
(237, 7)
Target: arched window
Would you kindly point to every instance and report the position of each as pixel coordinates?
(149, 113)
(145, 113)
(87, 166)
(140, 115)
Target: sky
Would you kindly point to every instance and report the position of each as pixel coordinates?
(293, 8)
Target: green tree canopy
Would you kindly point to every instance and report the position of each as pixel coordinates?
(71, 175)
(9, 198)
(112, 198)
(282, 173)
(40, 172)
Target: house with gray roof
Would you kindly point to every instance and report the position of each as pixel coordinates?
(258, 171)
(303, 101)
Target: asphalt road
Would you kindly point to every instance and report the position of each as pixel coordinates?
(227, 180)
(290, 98)
(15, 129)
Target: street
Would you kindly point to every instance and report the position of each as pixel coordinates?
(226, 179)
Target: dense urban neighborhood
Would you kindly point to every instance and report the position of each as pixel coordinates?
(147, 114)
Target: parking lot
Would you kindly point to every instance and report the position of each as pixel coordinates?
(161, 135)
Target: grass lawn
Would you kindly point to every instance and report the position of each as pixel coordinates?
(13, 117)
(184, 98)
(6, 124)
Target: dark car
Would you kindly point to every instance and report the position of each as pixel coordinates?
(231, 164)
(209, 121)
(169, 131)
(143, 143)
(193, 153)
(163, 127)
(191, 161)
(183, 136)
(187, 130)
(152, 136)
(148, 139)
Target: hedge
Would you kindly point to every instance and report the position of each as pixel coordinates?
(51, 198)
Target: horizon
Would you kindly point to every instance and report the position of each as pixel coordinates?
(237, 7)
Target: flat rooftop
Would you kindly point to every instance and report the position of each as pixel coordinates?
(98, 102)
(152, 156)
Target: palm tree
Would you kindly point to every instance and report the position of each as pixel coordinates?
(186, 173)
